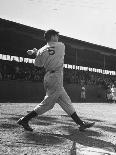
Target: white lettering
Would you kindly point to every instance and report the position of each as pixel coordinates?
(8, 57)
(4, 57)
(1, 56)
(26, 60)
(20, 59)
(90, 69)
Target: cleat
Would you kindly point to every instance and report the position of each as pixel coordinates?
(24, 124)
(85, 126)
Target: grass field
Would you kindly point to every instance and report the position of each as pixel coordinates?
(54, 132)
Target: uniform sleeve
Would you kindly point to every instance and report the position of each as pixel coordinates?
(61, 47)
(38, 60)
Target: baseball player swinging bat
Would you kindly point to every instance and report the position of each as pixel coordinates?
(51, 57)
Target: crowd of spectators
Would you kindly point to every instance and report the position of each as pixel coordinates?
(25, 71)
(88, 78)
(20, 71)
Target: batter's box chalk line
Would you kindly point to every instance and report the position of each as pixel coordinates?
(84, 150)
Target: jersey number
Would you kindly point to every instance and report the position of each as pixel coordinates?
(51, 50)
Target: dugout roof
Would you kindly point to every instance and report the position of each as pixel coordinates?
(16, 39)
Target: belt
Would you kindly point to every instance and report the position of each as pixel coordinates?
(52, 71)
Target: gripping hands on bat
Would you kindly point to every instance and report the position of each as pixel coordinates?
(31, 52)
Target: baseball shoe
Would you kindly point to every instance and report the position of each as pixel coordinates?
(86, 125)
(24, 124)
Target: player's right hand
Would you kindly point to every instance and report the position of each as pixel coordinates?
(35, 50)
(30, 52)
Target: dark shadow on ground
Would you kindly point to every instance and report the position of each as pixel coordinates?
(88, 138)
(44, 138)
(8, 126)
(73, 131)
(106, 128)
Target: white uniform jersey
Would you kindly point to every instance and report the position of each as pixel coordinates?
(112, 90)
(51, 56)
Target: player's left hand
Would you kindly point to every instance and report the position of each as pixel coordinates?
(30, 52)
(35, 50)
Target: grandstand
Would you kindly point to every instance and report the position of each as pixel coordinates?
(84, 62)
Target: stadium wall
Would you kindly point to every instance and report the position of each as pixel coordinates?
(27, 91)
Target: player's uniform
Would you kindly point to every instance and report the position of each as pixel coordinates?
(113, 93)
(109, 94)
(83, 94)
(51, 57)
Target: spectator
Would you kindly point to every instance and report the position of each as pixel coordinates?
(12, 70)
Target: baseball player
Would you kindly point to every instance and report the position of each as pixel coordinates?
(83, 94)
(113, 93)
(51, 57)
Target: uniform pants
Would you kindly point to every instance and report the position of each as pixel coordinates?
(55, 93)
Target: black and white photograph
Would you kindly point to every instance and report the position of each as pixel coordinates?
(57, 77)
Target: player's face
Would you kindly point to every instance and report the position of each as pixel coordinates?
(55, 38)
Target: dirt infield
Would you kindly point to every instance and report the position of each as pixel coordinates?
(54, 132)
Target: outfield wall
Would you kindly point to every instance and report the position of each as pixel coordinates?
(27, 91)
